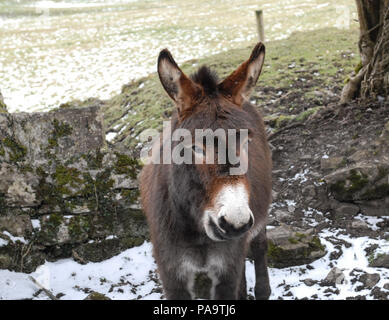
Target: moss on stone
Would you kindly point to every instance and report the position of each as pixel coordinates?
(273, 251)
(355, 182)
(130, 242)
(98, 192)
(316, 244)
(49, 231)
(371, 258)
(127, 165)
(358, 180)
(94, 160)
(49, 192)
(96, 296)
(300, 249)
(58, 193)
(79, 227)
(131, 195)
(300, 235)
(66, 177)
(377, 192)
(55, 220)
(17, 151)
(293, 240)
(60, 130)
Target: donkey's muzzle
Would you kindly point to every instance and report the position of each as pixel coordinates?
(230, 231)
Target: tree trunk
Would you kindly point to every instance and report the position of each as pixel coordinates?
(372, 80)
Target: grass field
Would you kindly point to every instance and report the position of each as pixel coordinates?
(52, 52)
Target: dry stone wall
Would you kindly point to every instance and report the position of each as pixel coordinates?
(63, 192)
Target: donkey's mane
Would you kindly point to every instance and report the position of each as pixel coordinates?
(207, 79)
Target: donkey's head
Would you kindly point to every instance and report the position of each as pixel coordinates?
(214, 188)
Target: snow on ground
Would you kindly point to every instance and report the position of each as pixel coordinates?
(126, 276)
(13, 238)
(352, 258)
(48, 58)
(132, 275)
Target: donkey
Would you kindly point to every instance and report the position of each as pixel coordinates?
(202, 218)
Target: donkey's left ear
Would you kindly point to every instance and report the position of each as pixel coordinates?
(239, 84)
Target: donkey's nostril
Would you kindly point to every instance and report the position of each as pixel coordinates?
(230, 230)
(223, 224)
(251, 221)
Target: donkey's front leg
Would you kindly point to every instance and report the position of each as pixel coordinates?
(243, 288)
(228, 284)
(259, 252)
(174, 284)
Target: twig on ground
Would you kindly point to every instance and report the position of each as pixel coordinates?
(77, 257)
(276, 101)
(293, 125)
(48, 293)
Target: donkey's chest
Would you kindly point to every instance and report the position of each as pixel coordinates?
(206, 260)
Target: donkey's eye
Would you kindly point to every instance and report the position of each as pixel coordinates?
(246, 144)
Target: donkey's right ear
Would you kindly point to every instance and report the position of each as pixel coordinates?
(239, 84)
(177, 85)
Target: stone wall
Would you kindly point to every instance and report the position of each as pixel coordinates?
(362, 186)
(63, 192)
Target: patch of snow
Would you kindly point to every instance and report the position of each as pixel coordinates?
(322, 5)
(370, 220)
(110, 136)
(290, 203)
(36, 224)
(3, 242)
(310, 215)
(125, 276)
(353, 257)
(13, 238)
(301, 176)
